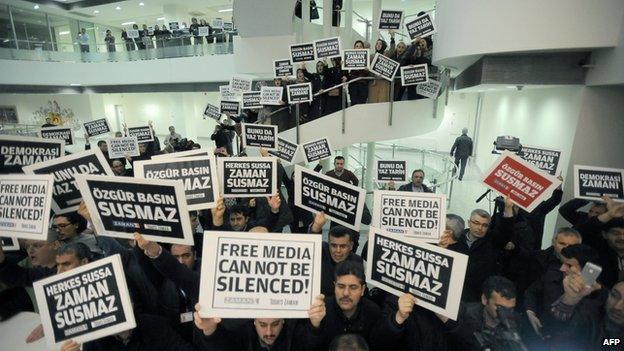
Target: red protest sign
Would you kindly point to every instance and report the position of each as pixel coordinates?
(525, 184)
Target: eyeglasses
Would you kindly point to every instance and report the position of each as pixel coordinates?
(482, 225)
(60, 226)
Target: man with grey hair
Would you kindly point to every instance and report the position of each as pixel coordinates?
(462, 149)
(454, 229)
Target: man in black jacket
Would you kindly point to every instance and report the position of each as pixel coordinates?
(570, 211)
(462, 148)
(239, 217)
(416, 185)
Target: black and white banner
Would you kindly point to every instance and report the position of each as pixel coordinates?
(316, 150)
(390, 170)
(416, 74)
(389, 19)
(134, 33)
(122, 147)
(342, 202)
(259, 275)
(9, 244)
(217, 23)
(120, 206)
(207, 152)
(354, 59)
(19, 151)
(545, 159)
(66, 197)
(227, 94)
(251, 99)
(212, 111)
(418, 215)
(228, 26)
(58, 133)
(592, 183)
(384, 67)
(143, 134)
(271, 95)
(25, 205)
(327, 48)
(239, 84)
(420, 27)
(283, 68)
(96, 127)
(286, 150)
(298, 93)
(301, 52)
(434, 275)
(203, 31)
(198, 174)
(259, 135)
(431, 89)
(85, 303)
(231, 108)
(248, 176)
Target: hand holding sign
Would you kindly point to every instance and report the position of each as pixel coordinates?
(84, 211)
(319, 222)
(447, 239)
(405, 306)
(317, 311)
(274, 202)
(207, 325)
(151, 249)
(614, 210)
(218, 212)
(71, 345)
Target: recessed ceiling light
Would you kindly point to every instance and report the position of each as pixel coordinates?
(160, 19)
(75, 84)
(117, 8)
(226, 10)
(128, 23)
(64, 32)
(96, 11)
(36, 7)
(141, 4)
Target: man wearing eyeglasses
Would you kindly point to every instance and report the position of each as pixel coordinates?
(71, 228)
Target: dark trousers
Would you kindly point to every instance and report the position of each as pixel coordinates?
(84, 48)
(461, 160)
(358, 93)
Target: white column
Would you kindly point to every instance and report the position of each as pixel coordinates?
(370, 166)
(374, 29)
(305, 19)
(347, 17)
(327, 17)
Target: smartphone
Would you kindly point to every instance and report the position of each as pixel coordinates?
(590, 273)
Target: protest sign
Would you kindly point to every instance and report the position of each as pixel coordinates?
(384, 67)
(143, 134)
(418, 215)
(259, 135)
(326, 48)
(526, 185)
(391, 171)
(9, 244)
(203, 31)
(217, 23)
(25, 205)
(256, 275)
(120, 206)
(227, 94)
(96, 127)
(213, 112)
(354, 59)
(389, 19)
(230, 108)
(416, 74)
(66, 197)
(342, 202)
(174, 26)
(316, 150)
(434, 275)
(421, 27)
(228, 26)
(283, 68)
(285, 150)
(271, 95)
(545, 159)
(85, 303)
(298, 93)
(134, 33)
(209, 152)
(592, 183)
(431, 89)
(239, 84)
(198, 174)
(248, 176)
(122, 147)
(19, 151)
(59, 133)
(302, 52)
(251, 99)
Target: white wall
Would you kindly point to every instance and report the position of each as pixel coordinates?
(607, 64)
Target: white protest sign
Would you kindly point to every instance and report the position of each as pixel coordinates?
(545, 159)
(271, 95)
(59, 133)
(122, 147)
(96, 127)
(203, 31)
(421, 27)
(326, 48)
(389, 19)
(239, 84)
(282, 68)
(298, 93)
(133, 33)
(143, 133)
(248, 176)
(354, 59)
(9, 244)
(592, 183)
(384, 67)
(303, 52)
(316, 150)
(25, 202)
(431, 89)
(19, 151)
(217, 23)
(415, 74)
(259, 135)
(227, 94)
(259, 275)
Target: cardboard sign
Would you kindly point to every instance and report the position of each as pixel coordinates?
(298, 93)
(317, 150)
(231, 108)
(203, 31)
(25, 205)
(206, 152)
(213, 112)
(418, 215)
(19, 151)
(9, 244)
(271, 95)
(545, 159)
(227, 94)
(240, 84)
(283, 68)
(217, 23)
(526, 185)
(421, 27)
(120, 206)
(592, 183)
(59, 133)
(174, 26)
(85, 303)
(354, 59)
(302, 52)
(66, 197)
(259, 135)
(122, 147)
(434, 275)
(384, 67)
(134, 33)
(342, 202)
(395, 171)
(198, 174)
(285, 150)
(416, 74)
(389, 19)
(228, 26)
(251, 99)
(326, 48)
(248, 176)
(96, 127)
(143, 134)
(431, 89)
(259, 275)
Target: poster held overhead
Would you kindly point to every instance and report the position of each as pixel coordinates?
(231, 108)
(395, 171)
(283, 68)
(384, 67)
(122, 147)
(389, 19)
(416, 74)
(316, 150)
(239, 84)
(96, 127)
(545, 159)
(248, 176)
(144, 134)
(354, 59)
(303, 52)
(203, 31)
(259, 135)
(212, 111)
(227, 94)
(298, 93)
(592, 183)
(251, 100)
(286, 150)
(421, 27)
(19, 151)
(327, 48)
(271, 95)
(58, 133)
(25, 202)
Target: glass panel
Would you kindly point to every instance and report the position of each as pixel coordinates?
(61, 33)
(31, 29)
(6, 32)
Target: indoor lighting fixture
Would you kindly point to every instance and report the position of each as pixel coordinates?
(36, 7)
(160, 19)
(64, 33)
(141, 4)
(96, 11)
(118, 8)
(226, 10)
(128, 23)
(75, 84)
